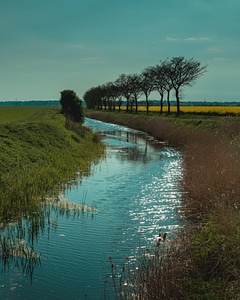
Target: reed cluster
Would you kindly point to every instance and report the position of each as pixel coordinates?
(203, 261)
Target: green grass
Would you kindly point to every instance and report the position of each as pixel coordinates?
(25, 113)
(39, 152)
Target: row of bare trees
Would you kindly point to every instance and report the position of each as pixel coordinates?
(171, 74)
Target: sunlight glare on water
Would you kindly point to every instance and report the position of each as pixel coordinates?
(135, 191)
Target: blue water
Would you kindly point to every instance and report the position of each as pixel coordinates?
(135, 191)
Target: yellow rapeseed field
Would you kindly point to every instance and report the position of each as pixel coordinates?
(196, 109)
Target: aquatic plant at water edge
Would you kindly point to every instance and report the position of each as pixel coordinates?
(39, 155)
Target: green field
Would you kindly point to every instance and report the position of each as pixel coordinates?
(39, 152)
(24, 113)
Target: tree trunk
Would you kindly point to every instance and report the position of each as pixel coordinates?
(127, 105)
(178, 101)
(161, 103)
(147, 104)
(168, 101)
(136, 104)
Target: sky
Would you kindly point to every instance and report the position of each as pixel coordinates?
(51, 45)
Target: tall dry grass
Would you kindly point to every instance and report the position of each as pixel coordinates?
(203, 261)
(211, 173)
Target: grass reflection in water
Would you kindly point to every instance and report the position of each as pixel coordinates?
(18, 238)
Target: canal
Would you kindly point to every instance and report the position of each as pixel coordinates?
(132, 192)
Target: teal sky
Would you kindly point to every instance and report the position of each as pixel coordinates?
(50, 45)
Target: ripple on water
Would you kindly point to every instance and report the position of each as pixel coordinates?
(135, 190)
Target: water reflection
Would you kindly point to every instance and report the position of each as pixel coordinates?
(119, 209)
(17, 245)
(134, 146)
(19, 237)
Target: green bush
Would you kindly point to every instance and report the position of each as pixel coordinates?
(71, 106)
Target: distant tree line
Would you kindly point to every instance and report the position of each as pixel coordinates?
(171, 74)
(30, 103)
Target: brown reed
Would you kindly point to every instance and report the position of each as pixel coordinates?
(203, 261)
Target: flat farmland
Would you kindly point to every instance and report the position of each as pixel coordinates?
(197, 109)
(24, 113)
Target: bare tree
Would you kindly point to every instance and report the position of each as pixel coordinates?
(147, 85)
(123, 84)
(114, 94)
(167, 82)
(135, 82)
(110, 95)
(162, 82)
(183, 72)
(93, 97)
(169, 74)
(119, 96)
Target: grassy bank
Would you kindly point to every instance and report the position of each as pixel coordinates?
(203, 262)
(39, 153)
